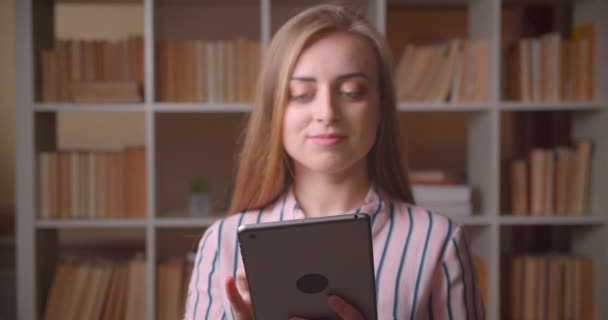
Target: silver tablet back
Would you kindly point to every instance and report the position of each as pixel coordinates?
(293, 266)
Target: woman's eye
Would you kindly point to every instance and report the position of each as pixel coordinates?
(302, 98)
(354, 95)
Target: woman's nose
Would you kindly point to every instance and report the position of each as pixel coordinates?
(325, 107)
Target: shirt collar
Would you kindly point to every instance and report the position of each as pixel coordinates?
(374, 204)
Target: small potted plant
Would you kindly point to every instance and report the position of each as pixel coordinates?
(200, 198)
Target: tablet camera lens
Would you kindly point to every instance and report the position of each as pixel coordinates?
(356, 216)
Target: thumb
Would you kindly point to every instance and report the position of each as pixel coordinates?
(241, 308)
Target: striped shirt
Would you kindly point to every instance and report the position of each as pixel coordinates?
(421, 259)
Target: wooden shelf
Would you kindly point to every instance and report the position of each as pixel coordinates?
(202, 107)
(185, 222)
(443, 107)
(506, 220)
(81, 224)
(556, 106)
(479, 220)
(102, 107)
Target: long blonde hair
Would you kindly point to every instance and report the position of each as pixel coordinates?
(264, 170)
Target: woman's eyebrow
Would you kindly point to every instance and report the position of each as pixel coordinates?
(352, 75)
(304, 79)
(339, 78)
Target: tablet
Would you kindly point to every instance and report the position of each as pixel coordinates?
(293, 266)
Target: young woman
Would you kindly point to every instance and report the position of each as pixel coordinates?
(323, 140)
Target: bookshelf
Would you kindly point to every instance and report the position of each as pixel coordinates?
(175, 133)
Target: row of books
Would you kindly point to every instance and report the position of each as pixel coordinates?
(93, 289)
(93, 71)
(437, 191)
(92, 184)
(550, 69)
(212, 71)
(456, 71)
(103, 289)
(172, 279)
(552, 181)
(551, 287)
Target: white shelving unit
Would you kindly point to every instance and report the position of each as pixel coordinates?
(483, 141)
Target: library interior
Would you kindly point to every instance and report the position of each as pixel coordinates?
(121, 122)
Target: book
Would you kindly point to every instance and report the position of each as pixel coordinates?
(170, 303)
(72, 62)
(49, 91)
(519, 187)
(105, 91)
(584, 36)
(551, 68)
(57, 292)
(537, 181)
(564, 162)
(64, 207)
(482, 277)
(114, 306)
(440, 89)
(429, 176)
(441, 193)
(85, 184)
(580, 179)
(136, 177)
(551, 286)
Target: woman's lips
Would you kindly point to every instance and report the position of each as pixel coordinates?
(327, 139)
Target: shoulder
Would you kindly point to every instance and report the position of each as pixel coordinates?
(429, 229)
(420, 216)
(439, 237)
(230, 224)
(224, 231)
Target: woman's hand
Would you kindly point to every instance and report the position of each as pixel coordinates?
(342, 308)
(240, 301)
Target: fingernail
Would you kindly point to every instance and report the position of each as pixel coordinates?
(231, 282)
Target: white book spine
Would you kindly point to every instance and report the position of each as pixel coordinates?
(414, 74)
(456, 83)
(438, 58)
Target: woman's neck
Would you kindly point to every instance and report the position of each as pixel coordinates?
(320, 194)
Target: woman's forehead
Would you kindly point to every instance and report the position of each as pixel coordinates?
(336, 54)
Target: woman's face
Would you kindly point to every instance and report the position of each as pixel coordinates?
(332, 113)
